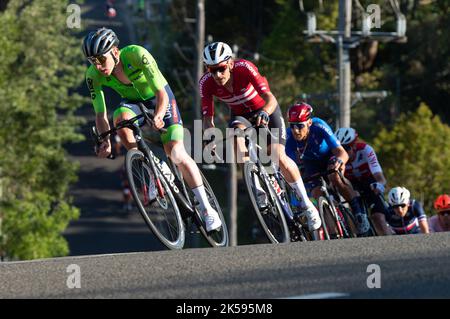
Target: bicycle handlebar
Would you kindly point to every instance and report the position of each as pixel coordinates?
(322, 174)
(99, 138)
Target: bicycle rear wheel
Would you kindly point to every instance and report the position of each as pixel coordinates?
(272, 218)
(216, 238)
(163, 218)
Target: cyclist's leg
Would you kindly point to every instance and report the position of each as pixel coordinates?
(346, 189)
(174, 148)
(126, 111)
(378, 213)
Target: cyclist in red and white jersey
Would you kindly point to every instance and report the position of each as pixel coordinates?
(239, 84)
(365, 173)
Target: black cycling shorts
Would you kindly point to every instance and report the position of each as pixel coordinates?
(276, 125)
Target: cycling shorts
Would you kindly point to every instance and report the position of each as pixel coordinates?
(172, 118)
(276, 124)
(309, 168)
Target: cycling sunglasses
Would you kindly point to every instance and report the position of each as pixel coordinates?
(445, 213)
(219, 69)
(298, 126)
(98, 59)
(397, 206)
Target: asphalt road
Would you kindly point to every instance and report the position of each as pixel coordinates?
(414, 266)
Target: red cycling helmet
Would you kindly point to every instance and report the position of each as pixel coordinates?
(299, 112)
(442, 203)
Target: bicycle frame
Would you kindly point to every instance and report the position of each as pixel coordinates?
(326, 189)
(150, 157)
(251, 147)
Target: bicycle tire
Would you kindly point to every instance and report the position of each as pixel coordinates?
(169, 229)
(349, 222)
(216, 238)
(272, 221)
(331, 226)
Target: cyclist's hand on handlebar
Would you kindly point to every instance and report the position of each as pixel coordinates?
(335, 163)
(104, 149)
(262, 118)
(158, 122)
(377, 188)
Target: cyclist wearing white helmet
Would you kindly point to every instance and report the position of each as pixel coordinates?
(365, 173)
(247, 93)
(406, 215)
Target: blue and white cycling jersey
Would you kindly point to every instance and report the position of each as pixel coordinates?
(317, 146)
(409, 224)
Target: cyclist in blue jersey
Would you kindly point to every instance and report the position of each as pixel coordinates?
(313, 146)
(406, 215)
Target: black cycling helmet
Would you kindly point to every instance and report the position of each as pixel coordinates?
(99, 42)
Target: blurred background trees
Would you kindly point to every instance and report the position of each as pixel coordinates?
(40, 67)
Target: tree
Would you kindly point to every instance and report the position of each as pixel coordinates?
(415, 154)
(41, 66)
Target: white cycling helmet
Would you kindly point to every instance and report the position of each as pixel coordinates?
(216, 53)
(346, 135)
(398, 195)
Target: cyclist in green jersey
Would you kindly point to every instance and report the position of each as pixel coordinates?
(133, 73)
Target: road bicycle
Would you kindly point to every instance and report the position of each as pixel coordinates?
(276, 218)
(174, 207)
(337, 219)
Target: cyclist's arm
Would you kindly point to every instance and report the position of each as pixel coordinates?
(423, 224)
(341, 154)
(379, 178)
(420, 214)
(162, 100)
(208, 122)
(101, 122)
(271, 102)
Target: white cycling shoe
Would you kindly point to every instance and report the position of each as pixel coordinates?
(314, 221)
(212, 219)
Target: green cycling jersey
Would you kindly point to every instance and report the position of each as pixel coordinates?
(140, 68)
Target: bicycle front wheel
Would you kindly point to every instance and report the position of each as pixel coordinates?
(160, 213)
(271, 218)
(331, 226)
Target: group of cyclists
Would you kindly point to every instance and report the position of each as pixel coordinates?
(304, 148)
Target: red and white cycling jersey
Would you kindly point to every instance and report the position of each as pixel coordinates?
(248, 86)
(364, 164)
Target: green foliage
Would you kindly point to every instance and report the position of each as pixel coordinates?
(415, 154)
(41, 64)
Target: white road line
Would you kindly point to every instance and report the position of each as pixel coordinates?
(323, 295)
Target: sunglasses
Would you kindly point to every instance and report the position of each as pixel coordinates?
(397, 206)
(219, 69)
(98, 59)
(297, 126)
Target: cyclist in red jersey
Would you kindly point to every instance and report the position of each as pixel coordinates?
(366, 175)
(247, 93)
